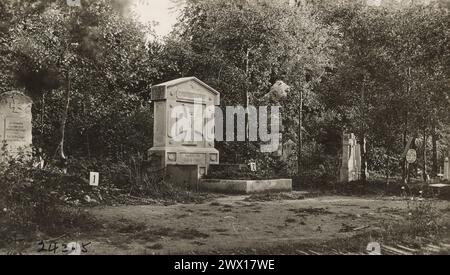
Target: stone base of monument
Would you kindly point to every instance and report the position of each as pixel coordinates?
(183, 175)
(245, 186)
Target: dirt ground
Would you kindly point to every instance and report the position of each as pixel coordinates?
(237, 224)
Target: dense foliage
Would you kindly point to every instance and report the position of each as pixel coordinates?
(381, 72)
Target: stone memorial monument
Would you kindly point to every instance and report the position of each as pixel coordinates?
(288, 150)
(188, 158)
(15, 124)
(351, 159)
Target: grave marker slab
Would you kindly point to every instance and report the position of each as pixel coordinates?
(15, 123)
(351, 159)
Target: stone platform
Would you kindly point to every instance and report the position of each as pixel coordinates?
(245, 186)
(441, 190)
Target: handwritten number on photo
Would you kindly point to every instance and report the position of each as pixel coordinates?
(42, 245)
(84, 246)
(53, 247)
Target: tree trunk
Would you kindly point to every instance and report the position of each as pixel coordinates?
(405, 165)
(403, 161)
(88, 145)
(435, 156)
(86, 132)
(362, 136)
(408, 167)
(388, 165)
(362, 145)
(64, 121)
(247, 103)
(300, 135)
(42, 117)
(247, 69)
(424, 172)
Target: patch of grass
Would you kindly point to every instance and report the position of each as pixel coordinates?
(241, 172)
(152, 234)
(311, 211)
(262, 197)
(157, 246)
(197, 243)
(220, 230)
(65, 222)
(206, 214)
(423, 221)
(182, 216)
(132, 228)
(139, 231)
(190, 234)
(373, 187)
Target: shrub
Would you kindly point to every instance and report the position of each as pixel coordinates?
(424, 218)
(33, 199)
(423, 224)
(237, 172)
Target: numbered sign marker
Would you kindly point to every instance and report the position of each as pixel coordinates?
(94, 179)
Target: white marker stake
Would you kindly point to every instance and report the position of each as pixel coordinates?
(94, 179)
(373, 248)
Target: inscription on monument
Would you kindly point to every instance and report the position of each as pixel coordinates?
(190, 158)
(191, 97)
(15, 122)
(15, 130)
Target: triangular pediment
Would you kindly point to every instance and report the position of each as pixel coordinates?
(187, 88)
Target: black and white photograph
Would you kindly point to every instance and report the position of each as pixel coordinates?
(243, 130)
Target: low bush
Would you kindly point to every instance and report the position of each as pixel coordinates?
(423, 224)
(424, 218)
(243, 172)
(34, 199)
(121, 182)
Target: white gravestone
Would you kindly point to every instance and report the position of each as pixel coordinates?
(15, 124)
(191, 155)
(351, 159)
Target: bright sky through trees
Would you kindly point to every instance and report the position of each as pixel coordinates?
(162, 12)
